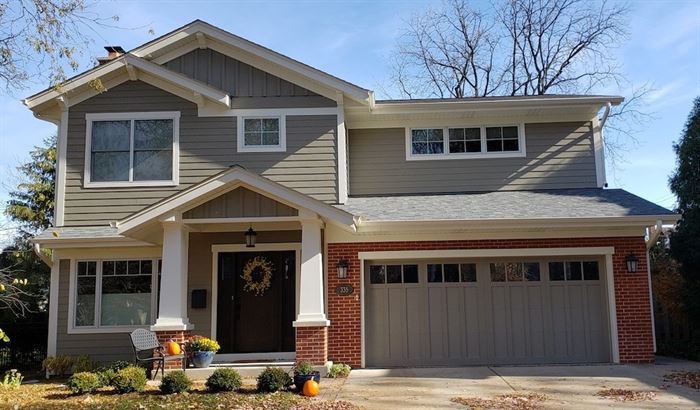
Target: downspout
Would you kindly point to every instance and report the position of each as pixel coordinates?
(654, 233)
(44, 258)
(608, 106)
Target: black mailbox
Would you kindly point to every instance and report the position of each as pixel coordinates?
(199, 299)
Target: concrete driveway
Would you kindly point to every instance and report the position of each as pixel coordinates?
(573, 387)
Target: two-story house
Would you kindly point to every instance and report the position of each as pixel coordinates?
(209, 185)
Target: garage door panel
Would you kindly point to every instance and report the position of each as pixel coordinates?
(376, 311)
(472, 326)
(559, 322)
(456, 336)
(517, 322)
(437, 330)
(415, 329)
(577, 322)
(535, 325)
(499, 317)
(397, 324)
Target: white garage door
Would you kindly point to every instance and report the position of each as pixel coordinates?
(459, 312)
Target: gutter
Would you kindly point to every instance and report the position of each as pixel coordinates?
(608, 106)
(654, 232)
(44, 258)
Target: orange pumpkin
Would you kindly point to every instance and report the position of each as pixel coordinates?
(311, 388)
(173, 348)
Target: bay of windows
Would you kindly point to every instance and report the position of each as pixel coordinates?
(115, 293)
(463, 142)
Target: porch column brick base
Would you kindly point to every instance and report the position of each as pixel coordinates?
(312, 345)
(179, 336)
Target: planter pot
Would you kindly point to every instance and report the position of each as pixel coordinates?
(202, 359)
(300, 379)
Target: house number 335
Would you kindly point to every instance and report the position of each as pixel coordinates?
(344, 290)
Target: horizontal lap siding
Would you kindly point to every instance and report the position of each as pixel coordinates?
(559, 155)
(207, 147)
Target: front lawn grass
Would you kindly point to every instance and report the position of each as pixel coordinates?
(55, 395)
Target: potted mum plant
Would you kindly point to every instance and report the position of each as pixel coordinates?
(202, 350)
(304, 372)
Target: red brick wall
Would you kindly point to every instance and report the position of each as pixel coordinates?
(631, 290)
(179, 336)
(312, 345)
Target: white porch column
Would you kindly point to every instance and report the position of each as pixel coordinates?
(311, 306)
(172, 309)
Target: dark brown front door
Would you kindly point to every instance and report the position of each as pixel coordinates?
(254, 323)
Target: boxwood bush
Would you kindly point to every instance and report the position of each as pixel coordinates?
(175, 382)
(224, 380)
(130, 379)
(84, 382)
(273, 379)
(339, 370)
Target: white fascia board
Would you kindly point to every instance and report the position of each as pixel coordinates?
(364, 226)
(485, 104)
(356, 93)
(487, 253)
(88, 242)
(142, 67)
(230, 180)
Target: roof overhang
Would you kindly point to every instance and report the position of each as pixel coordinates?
(124, 68)
(226, 181)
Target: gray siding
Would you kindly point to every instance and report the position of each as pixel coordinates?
(103, 347)
(240, 203)
(250, 86)
(207, 146)
(559, 155)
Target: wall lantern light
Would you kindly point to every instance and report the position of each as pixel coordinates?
(632, 262)
(250, 238)
(342, 267)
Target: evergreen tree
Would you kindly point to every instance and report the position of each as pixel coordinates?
(685, 241)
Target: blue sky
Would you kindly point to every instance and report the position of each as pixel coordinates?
(353, 39)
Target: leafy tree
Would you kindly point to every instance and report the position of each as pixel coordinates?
(685, 241)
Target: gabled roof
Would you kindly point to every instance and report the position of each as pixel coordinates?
(225, 181)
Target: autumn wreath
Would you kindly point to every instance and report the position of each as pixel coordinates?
(257, 274)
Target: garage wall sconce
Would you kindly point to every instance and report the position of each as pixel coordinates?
(342, 267)
(632, 263)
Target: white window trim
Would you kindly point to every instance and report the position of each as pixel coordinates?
(282, 147)
(72, 296)
(410, 156)
(153, 115)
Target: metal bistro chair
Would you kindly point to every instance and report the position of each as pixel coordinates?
(143, 340)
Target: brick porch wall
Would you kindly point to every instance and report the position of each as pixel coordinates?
(179, 336)
(312, 345)
(631, 290)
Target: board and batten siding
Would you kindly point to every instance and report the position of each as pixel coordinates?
(102, 347)
(559, 155)
(249, 86)
(207, 147)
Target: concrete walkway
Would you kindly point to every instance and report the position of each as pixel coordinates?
(570, 387)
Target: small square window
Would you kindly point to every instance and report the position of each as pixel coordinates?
(434, 273)
(377, 274)
(468, 271)
(465, 140)
(451, 272)
(427, 141)
(532, 271)
(498, 272)
(410, 273)
(393, 274)
(590, 271)
(263, 133)
(502, 139)
(514, 272)
(573, 271)
(556, 270)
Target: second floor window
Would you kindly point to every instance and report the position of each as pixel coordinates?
(131, 149)
(465, 142)
(261, 134)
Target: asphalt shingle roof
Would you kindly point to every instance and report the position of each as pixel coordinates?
(560, 203)
(79, 232)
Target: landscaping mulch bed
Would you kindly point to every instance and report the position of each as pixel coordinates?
(690, 379)
(57, 396)
(626, 395)
(526, 401)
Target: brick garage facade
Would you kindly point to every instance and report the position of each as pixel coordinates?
(631, 290)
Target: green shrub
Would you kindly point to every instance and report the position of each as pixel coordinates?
(273, 379)
(129, 379)
(85, 364)
(119, 364)
(58, 365)
(224, 380)
(303, 368)
(12, 379)
(175, 382)
(106, 376)
(84, 382)
(339, 370)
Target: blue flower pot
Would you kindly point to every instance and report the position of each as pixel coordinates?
(202, 359)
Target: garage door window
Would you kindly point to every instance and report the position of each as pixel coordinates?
(515, 272)
(383, 274)
(573, 271)
(451, 272)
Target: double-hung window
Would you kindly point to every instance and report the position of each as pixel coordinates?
(114, 294)
(262, 134)
(132, 149)
(465, 142)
